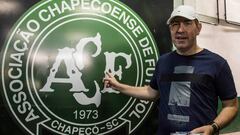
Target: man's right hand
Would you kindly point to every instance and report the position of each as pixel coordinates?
(110, 81)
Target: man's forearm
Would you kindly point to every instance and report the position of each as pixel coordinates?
(228, 113)
(146, 92)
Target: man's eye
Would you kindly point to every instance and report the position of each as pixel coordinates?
(175, 24)
(188, 22)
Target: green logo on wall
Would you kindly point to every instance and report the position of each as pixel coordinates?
(55, 59)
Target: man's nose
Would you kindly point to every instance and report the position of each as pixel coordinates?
(181, 27)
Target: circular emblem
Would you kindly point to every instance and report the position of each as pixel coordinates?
(56, 56)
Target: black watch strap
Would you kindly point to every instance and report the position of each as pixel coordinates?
(215, 127)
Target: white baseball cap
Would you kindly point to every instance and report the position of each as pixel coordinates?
(183, 11)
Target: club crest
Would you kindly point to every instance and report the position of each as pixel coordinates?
(56, 56)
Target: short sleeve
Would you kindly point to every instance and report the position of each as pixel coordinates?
(225, 84)
(154, 82)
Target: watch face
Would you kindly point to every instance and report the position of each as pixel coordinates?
(215, 127)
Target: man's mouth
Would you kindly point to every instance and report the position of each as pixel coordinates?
(181, 38)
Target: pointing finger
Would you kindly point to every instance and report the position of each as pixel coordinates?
(109, 74)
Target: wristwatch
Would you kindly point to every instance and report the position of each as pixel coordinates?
(215, 127)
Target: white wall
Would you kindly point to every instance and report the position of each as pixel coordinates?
(225, 41)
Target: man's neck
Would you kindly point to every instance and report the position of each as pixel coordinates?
(193, 50)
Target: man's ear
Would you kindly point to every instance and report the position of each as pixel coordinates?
(199, 27)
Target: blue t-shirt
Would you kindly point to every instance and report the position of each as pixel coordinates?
(189, 88)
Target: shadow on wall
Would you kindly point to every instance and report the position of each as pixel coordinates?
(155, 14)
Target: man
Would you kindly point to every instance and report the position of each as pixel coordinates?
(187, 82)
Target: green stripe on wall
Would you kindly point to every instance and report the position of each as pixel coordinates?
(235, 125)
